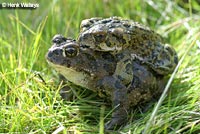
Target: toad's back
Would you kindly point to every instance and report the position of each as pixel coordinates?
(115, 34)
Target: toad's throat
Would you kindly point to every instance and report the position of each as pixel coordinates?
(79, 78)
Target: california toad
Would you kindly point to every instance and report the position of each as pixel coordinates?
(115, 34)
(122, 60)
(119, 77)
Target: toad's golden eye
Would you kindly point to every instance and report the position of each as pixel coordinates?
(70, 51)
(100, 37)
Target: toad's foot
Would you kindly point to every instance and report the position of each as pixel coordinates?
(115, 123)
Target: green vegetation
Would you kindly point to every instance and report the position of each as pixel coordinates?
(29, 88)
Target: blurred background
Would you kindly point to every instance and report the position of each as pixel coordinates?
(28, 104)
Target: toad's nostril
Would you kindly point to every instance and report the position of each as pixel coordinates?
(57, 52)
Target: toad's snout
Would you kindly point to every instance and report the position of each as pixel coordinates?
(54, 55)
(54, 52)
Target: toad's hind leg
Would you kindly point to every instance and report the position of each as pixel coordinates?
(119, 99)
(143, 85)
(146, 84)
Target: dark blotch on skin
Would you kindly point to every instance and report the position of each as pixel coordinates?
(111, 26)
(116, 21)
(122, 41)
(126, 25)
(161, 62)
(169, 50)
(120, 56)
(99, 38)
(108, 57)
(119, 37)
(143, 29)
(166, 56)
(92, 21)
(128, 67)
(118, 85)
(87, 25)
(120, 78)
(135, 83)
(99, 84)
(94, 65)
(176, 59)
(108, 43)
(90, 57)
(108, 68)
(125, 62)
(85, 36)
(66, 63)
(149, 45)
(115, 35)
(84, 46)
(106, 21)
(144, 36)
(170, 66)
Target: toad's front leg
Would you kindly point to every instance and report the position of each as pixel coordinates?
(65, 92)
(119, 101)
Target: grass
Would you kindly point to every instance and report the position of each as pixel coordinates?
(29, 88)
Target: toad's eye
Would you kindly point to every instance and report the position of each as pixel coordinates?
(70, 51)
(100, 37)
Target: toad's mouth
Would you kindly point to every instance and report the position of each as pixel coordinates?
(77, 77)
